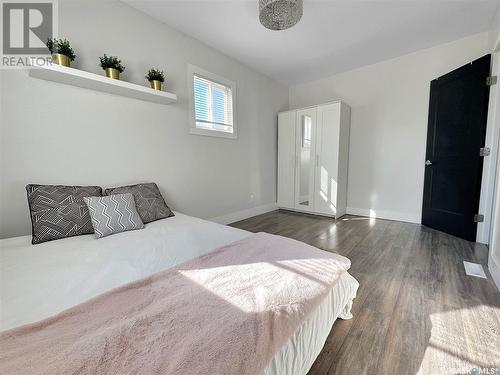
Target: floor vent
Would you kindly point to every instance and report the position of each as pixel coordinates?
(474, 269)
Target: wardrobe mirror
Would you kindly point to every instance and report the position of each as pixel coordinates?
(305, 160)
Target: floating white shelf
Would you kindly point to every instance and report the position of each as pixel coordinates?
(80, 78)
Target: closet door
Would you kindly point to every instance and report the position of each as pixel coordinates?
(327, 156)
(305, 159)
(286, 159)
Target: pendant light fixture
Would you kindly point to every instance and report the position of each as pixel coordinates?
(279, 14)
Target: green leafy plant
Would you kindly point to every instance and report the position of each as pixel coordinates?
(155, 75)
(61, 46)
(111, 62)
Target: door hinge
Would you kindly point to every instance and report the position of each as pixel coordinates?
(491, 80)
(478, 218)
(484, 151)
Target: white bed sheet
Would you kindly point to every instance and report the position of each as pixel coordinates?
(38, 281)
(301, 350)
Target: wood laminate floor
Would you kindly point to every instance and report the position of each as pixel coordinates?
(416, 311)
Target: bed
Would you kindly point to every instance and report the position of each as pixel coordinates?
(37, 282)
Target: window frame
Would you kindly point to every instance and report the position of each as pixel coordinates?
(195, 70)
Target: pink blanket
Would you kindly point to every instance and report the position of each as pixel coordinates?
(225, 312)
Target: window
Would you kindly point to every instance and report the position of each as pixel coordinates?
(212, 104)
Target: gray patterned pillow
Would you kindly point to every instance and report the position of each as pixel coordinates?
(113, 214)
(58, 211)
(149, 202)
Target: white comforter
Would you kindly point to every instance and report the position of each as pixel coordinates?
(38, 281)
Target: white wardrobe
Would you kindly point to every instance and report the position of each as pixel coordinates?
(313, 152)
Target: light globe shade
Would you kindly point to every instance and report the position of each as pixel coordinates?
(280, 14)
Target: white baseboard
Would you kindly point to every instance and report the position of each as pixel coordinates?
(494, 269)
(254, 211)
(244, 214)
(389, 215)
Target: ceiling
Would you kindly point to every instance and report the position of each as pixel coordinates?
(332, 37)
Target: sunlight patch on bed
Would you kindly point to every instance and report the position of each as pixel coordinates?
(262, 286)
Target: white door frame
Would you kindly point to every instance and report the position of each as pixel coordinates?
(490, 162)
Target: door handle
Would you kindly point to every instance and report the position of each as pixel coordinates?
(317, 161)
(428, 162)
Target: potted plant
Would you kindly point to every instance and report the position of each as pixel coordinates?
(112, 65)
(62, 53)
(155, 78)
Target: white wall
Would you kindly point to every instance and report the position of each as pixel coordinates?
(489, 166)
(494, 250)
(53, 133)
(489, 163)
(491, 198)
(494, 34)
(389, 103)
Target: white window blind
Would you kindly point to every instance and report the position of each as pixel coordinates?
(213, 105)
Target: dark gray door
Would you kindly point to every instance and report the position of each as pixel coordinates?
(456, 132)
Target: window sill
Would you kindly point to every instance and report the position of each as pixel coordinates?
(212, 133)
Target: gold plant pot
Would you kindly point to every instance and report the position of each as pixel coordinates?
(155, 84)
(112, 73)
(60, 59)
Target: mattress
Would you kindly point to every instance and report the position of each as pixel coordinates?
(38, 281)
